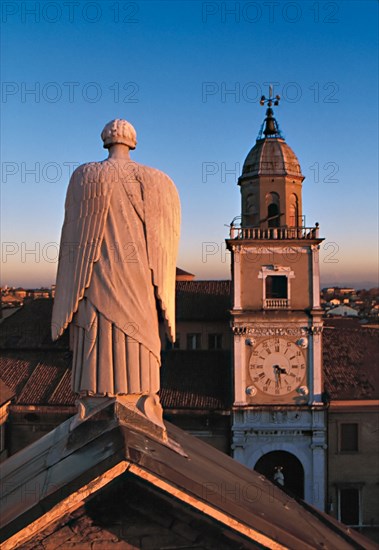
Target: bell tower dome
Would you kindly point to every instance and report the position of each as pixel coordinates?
(271, 180)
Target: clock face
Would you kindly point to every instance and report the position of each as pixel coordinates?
(277, 366)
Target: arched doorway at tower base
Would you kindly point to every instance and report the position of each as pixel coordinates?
(284, 468)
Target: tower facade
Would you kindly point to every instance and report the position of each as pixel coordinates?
(279, 420)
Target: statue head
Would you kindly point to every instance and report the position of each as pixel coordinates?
(119, 131)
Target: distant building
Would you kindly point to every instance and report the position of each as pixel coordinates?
(20, 293)
(352, 386)
(182, 275)
(343, 311)
(41, 293)
(11, 301)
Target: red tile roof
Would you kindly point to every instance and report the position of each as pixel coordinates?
(40, 384)
(350, 358)
(15, 372)
(30, 328)
(189, 379)
(37, 382)
(63, 394)
(196, 380)
(203, 300)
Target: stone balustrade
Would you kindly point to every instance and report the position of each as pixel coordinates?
(276, 303)
(274, 233)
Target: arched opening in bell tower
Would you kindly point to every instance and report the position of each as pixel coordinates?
(283, 468)
(294, 211)
(273, 209)
(251, 217)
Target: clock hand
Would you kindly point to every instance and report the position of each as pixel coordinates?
(276, 369)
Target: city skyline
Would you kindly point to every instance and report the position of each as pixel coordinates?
(189, 77)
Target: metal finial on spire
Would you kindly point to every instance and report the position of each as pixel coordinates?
(270, 100)
(271, 127)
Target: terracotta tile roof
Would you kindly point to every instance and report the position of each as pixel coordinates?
(203, 300)
(63, 394)
(196, 380)
(29, 328)
(350, 358)
(37, 382)
(190, 379)
(15, 372)
(40, 384)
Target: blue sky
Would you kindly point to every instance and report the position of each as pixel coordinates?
(188, 75)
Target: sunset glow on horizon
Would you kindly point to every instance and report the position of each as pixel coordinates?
(189, 76)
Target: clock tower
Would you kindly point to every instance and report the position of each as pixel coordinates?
(279, 419)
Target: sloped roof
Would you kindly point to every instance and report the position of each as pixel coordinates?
(69, 466)
(129, 513)
(182, 275)
(36, 382)
(189, 379)
(196, 380)
(343, 310)
(203, 300)
(30, 328)
(350, 359)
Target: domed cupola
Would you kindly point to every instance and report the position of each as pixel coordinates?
(271, 157)
(271, 178)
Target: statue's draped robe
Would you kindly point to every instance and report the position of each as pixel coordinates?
(116, 269)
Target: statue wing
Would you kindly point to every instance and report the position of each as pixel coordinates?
(162, 222)
(86, 208)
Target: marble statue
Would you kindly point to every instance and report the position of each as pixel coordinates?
(116, 271)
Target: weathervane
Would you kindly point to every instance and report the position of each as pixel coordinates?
(270, 100)
(271, 127)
